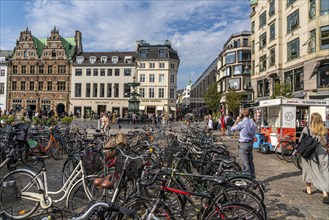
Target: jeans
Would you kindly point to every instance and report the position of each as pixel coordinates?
(247, 157)
(228, 131)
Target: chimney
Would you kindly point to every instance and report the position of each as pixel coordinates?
(78, 41)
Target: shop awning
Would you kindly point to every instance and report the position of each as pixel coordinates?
(141, 108)
(173, 108)
(159, 108)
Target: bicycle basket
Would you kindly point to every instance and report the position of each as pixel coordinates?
(21, 134)
(92, 160)
(4, 136)
(134, 169)
(169, 153)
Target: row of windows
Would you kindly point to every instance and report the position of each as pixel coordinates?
(240, 56)
(235, 83)
(112, 90)
(40, 86)
(160, 65)
(103, 72)
(294, 81)
(292, 18)
(104, 59)
(53, 53)
(151, 79)
(162, 53)
(33, 69)
(293, 48)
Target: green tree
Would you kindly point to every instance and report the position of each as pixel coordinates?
(212, 97)
(233, 100)
(281, 89)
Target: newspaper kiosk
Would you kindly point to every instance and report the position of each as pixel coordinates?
(281, 117)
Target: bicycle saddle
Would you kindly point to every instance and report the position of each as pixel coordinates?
(216, 179)
(104, 183)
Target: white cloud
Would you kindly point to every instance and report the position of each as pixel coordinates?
(197, 29)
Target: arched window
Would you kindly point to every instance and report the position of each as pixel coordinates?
(25, 53)
(53, 53)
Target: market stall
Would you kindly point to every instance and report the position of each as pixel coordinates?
(285, 118)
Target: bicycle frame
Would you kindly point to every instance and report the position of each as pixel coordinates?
(44, 198)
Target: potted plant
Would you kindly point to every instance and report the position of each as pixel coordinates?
(67, 120)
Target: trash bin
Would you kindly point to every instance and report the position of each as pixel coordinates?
(274, 137)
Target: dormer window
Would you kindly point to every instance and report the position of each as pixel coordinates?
(103, 59)
(128, 59)
(115, 59)
(92, 59)
(162, 53)
(143, 53)
(80, 59)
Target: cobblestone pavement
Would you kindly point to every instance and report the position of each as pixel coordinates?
(284, 196)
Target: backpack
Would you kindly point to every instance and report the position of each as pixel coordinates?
(229, 122)
(307, 145)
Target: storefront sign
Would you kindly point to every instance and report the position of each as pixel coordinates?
(289, 116)
(270, 102)
(305, 102)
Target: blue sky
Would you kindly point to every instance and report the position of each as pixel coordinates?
(197, 29)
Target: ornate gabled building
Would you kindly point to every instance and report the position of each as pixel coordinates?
(39, 72)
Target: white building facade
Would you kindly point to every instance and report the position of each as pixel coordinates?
(157, 69)
(3, 78)
(290, 46)
(99, 82)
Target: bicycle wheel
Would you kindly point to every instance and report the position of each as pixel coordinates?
(287, 151)
(56, 150)
(143, 208)
(69, 165)
(78, 200)
(243, 196)
(278, 149)
(27, 154)
(234, 211)
(16, 206)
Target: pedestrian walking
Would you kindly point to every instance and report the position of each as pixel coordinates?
(316, 171)
(247, 128)
(222, 122)
(229, 123)
(114, 117)
(210, 124)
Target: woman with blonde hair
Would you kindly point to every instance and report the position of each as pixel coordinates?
(316, 172)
